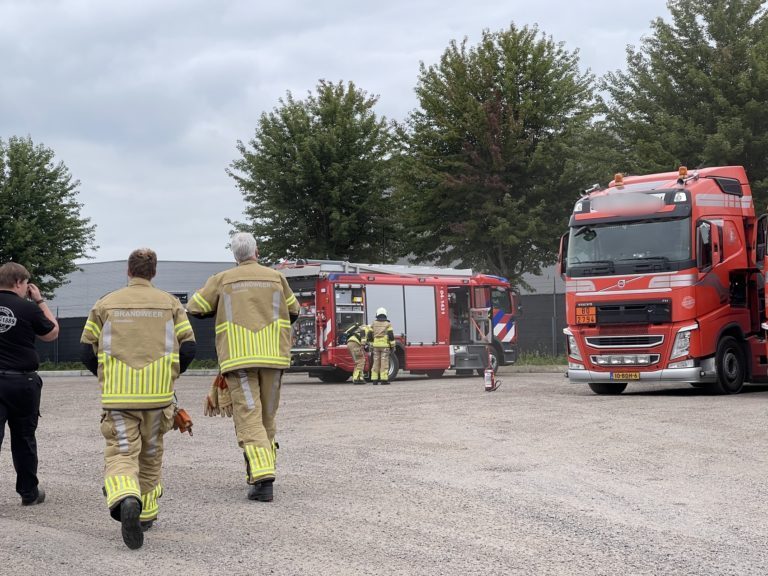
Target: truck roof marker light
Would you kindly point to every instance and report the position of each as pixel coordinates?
(618, 179)
(682, 173)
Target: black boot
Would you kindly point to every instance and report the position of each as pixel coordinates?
(146, 525)
(39, 499)
(130, 510)
(261, 491)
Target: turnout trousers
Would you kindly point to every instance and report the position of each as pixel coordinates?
(358, 356)
(133, 457)
(255, 399)
(380, 368)
(20, 408)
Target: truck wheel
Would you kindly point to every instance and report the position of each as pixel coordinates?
(603, 388)
(337, 376)
(730, 366)
(495, 361)
(394, 366)
(435, 373)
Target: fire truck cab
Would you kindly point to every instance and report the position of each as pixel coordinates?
(443, 319)
(664, 282)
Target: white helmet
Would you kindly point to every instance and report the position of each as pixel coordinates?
(381, 312)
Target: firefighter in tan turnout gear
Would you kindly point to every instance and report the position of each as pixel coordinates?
(357, 338)
(254, 310)
(137, 340)
(382, 339)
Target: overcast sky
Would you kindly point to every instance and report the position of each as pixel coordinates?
(144, 101)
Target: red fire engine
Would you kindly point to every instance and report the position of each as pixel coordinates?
(664, 282)
(443, 318)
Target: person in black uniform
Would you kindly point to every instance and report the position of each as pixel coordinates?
(20, 385)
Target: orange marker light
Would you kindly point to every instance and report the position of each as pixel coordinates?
(682, 171)
(618, 179)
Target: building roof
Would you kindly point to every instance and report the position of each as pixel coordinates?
(95, 279)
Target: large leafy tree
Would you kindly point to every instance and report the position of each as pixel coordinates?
(498, 149)
(696, 92)
(40, 223)
(316, 177)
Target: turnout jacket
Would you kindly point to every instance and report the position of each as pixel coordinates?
(381, 334)
(136, 333)
(253, 306)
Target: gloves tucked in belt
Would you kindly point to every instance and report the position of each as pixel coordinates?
(224, 397)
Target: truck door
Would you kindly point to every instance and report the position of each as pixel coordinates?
(458, 312)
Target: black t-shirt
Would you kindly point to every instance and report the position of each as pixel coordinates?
(20, 321)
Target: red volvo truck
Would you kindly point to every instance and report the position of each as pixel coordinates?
(664, 282)
(443, 319)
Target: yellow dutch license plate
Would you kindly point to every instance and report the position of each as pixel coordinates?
(586, 314)
(625, 375)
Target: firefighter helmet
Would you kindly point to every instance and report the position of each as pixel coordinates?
(381, 312)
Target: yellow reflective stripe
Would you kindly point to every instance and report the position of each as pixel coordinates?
(261, 461)
(120, 486)
(149, 504)
(93, 328)
(153, 383)
(246, 346)
(235, 362)
(291, 300)
(201, 302)
(182, 327)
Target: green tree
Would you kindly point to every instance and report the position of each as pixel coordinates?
(40, 223)
(696, 92)
(316, 178)
(495, 154)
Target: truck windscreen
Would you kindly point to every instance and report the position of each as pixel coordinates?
(646, 246)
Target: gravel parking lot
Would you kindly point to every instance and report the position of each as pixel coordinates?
(419, 477)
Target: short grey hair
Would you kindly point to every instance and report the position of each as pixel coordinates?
(243, 246)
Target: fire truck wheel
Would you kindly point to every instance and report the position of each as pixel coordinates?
(730, 366)
(394, 366)
(604, 388)
(335, 377)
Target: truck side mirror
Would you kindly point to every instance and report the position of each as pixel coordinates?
(562, 255)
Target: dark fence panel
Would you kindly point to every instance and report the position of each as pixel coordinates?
(66, 348)
(540, 330)
(541, 324)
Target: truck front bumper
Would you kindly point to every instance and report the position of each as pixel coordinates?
(703, 374)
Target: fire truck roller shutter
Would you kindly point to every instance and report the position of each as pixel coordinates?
(389, 297)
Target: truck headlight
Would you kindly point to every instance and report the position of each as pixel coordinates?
(682, 343)
(573, 347)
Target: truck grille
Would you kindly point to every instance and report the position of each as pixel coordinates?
(658, 312)
(639, 341)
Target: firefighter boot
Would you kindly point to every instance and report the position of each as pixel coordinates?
(261, 491)
(146, 525)
(130, 509)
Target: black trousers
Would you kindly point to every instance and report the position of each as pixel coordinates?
(20, 407)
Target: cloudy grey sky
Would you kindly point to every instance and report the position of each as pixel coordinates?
(144, 100)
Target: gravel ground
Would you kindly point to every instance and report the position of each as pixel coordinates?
(420, 477)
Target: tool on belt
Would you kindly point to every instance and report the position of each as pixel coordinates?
(182, 421)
